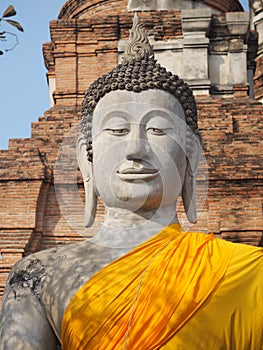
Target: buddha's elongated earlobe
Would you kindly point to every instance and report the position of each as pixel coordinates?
(193, 151)
(189, 197)
(87, 174)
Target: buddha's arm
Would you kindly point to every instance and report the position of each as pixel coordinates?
(23, 325)
(23, 322)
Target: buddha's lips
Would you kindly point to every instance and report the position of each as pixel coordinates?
(138, 171)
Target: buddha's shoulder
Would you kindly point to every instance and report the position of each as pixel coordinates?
(248, 256)
(47, 256)
(69, 265)
(58, 258)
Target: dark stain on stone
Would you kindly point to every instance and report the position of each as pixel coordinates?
(32, 278)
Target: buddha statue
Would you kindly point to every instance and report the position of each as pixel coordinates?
(142, 282)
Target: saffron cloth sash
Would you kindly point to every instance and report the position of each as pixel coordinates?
(142, 299)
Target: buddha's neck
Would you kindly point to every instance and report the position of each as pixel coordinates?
(123, 228)
(125, 219)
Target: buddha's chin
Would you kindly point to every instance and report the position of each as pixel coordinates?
(133, 195)
(139, 204)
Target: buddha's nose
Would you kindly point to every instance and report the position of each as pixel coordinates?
(137, 147)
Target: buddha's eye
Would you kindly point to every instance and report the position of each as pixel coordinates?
(155, 131)
(118, 132)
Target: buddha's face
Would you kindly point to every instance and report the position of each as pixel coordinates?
(139, 142)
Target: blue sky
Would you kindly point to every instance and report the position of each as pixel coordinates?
(23, 88)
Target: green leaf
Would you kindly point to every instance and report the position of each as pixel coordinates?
(15, 24)
(9, 12)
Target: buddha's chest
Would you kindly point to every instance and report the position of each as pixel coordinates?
(65, 276)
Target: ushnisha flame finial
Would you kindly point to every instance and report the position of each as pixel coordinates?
(139, 46)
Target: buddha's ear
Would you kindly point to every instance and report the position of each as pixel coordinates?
(87, 175)
(189, 186)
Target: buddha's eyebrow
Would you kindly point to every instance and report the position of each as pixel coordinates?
(164, 114)
(105, 116)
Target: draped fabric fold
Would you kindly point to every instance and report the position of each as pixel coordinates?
(142, 299)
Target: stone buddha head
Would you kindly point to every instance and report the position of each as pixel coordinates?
(140, 146)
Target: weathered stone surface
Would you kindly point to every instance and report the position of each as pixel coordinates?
(237, 23)
(217, 6)
(257, 5)
(159, 5)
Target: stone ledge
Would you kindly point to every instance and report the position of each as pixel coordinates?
(199, 86)
(221, 90)
(175, 45)
(196, 21)
(237, 23)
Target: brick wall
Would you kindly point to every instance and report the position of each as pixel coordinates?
(91, 8)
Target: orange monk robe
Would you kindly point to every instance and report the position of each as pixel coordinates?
(179, 290)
